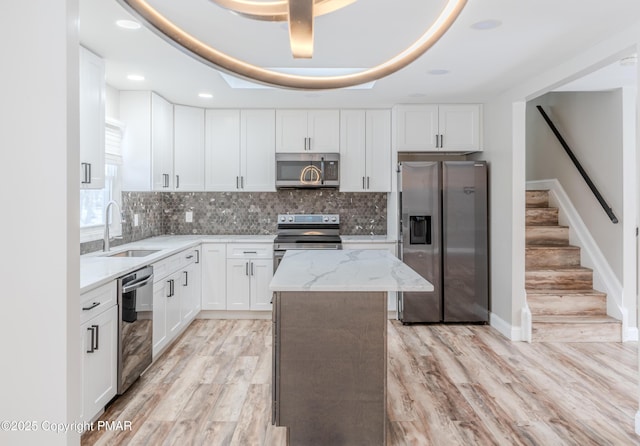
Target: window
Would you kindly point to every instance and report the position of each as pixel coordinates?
(93, 202)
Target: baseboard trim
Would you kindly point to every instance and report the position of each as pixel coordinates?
(504, 328)
(223, 314)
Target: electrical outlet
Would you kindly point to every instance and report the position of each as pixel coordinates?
(136, 220)
(188, 216)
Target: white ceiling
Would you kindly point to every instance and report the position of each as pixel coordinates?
(534, 36)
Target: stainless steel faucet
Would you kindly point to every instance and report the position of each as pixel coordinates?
(107, 239)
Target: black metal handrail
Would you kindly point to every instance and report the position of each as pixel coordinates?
(584, 174)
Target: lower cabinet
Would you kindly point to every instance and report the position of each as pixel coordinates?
(99, 365)
(214, 276)
(176, 297)
(248, 284)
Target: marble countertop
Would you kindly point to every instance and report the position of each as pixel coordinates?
(367, 239)
(97, 268)
(345, 270)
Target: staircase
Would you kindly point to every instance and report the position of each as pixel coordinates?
(564, 306)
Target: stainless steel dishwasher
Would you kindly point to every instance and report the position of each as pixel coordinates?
(135, 327)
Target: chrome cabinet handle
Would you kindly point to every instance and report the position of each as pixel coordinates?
(241, 182)
(252, 268)
(177, 181)
(86, 173)
(197, 256)
(93, 338)
(367, 182)
(186, 278)
(93, 305)
(250, 252)
(237, 182)
(246, 268)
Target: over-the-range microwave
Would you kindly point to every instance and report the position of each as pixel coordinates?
(307, 170)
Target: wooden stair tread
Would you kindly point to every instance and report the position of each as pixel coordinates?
(545, 292)
(548, 246)
(569, 269)
(544, 226)
(572, 319)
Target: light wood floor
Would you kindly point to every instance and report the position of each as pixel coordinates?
(447, 385)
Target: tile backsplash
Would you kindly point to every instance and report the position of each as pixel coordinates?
(252, 213)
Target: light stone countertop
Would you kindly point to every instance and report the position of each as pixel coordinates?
(345, 270)
(96, 268)
(367, 239)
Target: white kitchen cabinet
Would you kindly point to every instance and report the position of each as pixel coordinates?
(249, 272)
(307, 130)
(191, 283)
(92, 120)
(240, 150)
(439, 128)
(147, 143)
(365, 150)
(99, 363)
(214, 276)
(388, 246)
(257, 150)
(188, 148)
(172, 298)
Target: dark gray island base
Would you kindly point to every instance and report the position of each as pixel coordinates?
(330, 367)
(330, 344)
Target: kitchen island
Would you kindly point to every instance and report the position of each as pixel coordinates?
(330, 343)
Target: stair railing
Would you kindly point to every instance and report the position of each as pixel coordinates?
(576, 163)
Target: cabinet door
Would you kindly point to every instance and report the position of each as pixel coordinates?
(261, 271)
(135, 113)
(92, 126)
(175, 297)
(417, 127)
(353, 150)
(161, 143)
(188, 148)
(460, 127)
(99, 365)
(160, 293)
(323, 127)
(291, 131)
(214, 276)
(257, 150)
(190, 292)
(238, 284)
(378, 148)
(222, 150)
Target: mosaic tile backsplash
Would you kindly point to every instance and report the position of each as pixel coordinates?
(162, 213)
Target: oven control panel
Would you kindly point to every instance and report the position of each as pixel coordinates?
(308, 219)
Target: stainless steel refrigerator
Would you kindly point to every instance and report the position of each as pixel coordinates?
(443, 236)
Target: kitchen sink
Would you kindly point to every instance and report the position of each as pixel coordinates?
(133, 253)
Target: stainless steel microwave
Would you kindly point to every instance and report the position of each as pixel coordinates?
(307, 170)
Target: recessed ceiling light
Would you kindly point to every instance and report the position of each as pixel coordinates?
(486, 24)
(128, 24)
(135, 77)
(438, 71)
(205, 95)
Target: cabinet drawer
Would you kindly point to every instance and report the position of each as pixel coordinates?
(249, 251)
(94, 302)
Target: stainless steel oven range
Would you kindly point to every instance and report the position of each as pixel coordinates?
(306, 231)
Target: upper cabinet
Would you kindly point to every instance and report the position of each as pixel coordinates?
(92, 120)
(147, 141)
(307, 130)
(188, 146)
(240, 150)
(365, 150)
(439, 128)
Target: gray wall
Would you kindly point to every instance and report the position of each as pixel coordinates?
(591, 123)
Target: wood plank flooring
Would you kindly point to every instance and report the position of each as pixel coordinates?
(447, 385)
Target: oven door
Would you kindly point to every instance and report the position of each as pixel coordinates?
(278, 254)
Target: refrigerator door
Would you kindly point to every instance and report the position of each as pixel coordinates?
(420, 238)
(465, 252)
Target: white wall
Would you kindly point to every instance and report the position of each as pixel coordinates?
(39, 328)
(112, 103)
(591, 123)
